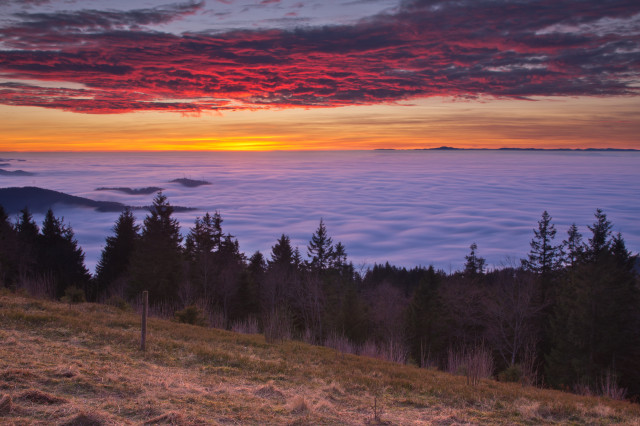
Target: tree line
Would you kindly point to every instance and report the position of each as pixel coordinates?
(567, 316)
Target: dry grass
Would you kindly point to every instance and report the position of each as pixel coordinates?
(80, 365)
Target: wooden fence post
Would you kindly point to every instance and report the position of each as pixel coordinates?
(145, 311)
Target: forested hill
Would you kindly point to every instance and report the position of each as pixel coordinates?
(39, 200)
(566, 316)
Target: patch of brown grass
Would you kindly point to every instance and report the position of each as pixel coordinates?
(299, 405)
(270, 392)
(6, 405)
(171, 418)
(38, 397)
(84, 419)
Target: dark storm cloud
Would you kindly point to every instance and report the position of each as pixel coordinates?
(99, 19)
(481, 48)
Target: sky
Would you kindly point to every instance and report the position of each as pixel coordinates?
(92, 75)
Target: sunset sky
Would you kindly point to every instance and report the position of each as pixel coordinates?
(330, 74)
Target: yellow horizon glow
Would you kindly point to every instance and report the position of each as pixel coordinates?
(428, 123)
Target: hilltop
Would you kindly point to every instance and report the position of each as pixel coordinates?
(38, 200)
(81, 363)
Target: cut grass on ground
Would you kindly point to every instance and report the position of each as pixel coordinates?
(81, 364)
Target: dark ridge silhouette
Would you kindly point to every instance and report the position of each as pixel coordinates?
(450, 148)
(39, 200)
(190, 183)
(176, 209)
(15, 173)
(132, 191)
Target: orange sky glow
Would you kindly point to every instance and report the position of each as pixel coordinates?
(543, 123)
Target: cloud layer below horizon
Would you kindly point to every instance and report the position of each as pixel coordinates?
(104, 61)
(406, 207)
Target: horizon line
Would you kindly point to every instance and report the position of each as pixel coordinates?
(440, 148)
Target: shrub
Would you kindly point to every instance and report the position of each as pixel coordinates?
(609, 386)
(277, 327)
(191, 315)
(512, 374)
(73, 295)
(118, 302)
(247, 326)
(474, 362)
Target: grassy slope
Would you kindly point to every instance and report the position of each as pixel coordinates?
(64, 363)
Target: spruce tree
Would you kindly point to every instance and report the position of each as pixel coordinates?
(115, 258)
(475, 264)
(27, 233)
(8, 251)
(201, 245)
(205, 237)
(230, 269)
(320, 248)
(157, 262)
(545, 262)
(282, 254)
(599, 242)
(544, 257)
(424, 320)
(282, 274)
(248, 296)
(60, 257)
(595, 320)
(572, 247)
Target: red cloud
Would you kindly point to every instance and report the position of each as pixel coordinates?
(466, 49)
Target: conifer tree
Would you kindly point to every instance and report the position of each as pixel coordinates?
(424, 318)
(572, 247)
(27, 232)
(60, 257)
(282, 254)
(205, 237)
(202, 243)
(248, 296)
(599, 242)
(595, 321)
(320, 248)
(230, 267)
(157, 264)
(8, 251)
(339, 256)
(282, 274)
(475, 264)
(544, 257)
(115, 258)
(354, 318)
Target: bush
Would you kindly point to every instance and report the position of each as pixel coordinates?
(277, 327)
(191, 315)
(73, 295)
(118, 302)
(512, 374)
(474, 362)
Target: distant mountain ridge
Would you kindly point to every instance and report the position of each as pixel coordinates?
(39, 200)
(4, 172)
(190, 183)
(132, 191)
(450, 148)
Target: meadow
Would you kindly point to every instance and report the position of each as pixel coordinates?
(81, 364)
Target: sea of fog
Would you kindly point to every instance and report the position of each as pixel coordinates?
(406, 207)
